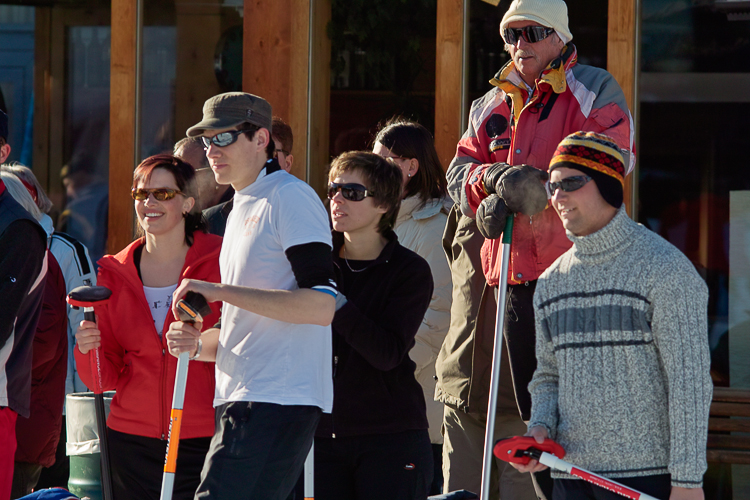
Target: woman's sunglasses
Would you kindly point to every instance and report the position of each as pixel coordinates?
(351, 192)
(161, 194)
(531, 34)
(568, 184)
(223, 139)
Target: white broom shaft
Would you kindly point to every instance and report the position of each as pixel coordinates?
(489, 431)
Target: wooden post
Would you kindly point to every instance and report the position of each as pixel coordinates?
(266, 52)
(299, 75)
(319, 99)
(622, 63)
(122, 124)
(286, 60)
(449, 93)
(42, 84)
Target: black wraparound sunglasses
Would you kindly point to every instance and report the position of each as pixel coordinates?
(568, 184)
(223, 139)
(531, 34)
(351, 192)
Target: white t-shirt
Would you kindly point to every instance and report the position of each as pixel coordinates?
(159, 301)
(260, 359)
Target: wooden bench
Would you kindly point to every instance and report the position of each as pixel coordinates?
(729, 419)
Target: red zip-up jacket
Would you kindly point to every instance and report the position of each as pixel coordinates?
(136, 362)
(509, 125)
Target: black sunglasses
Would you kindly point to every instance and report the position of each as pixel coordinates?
(161, 194)
(568, 184)
(531, 34)
(351, 192)
(223, 139)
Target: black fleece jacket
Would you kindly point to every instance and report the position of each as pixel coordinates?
(374, 389)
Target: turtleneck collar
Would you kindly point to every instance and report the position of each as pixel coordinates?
(609, 240)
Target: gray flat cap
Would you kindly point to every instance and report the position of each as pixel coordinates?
(231, 109)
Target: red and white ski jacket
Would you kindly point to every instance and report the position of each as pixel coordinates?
(136, 362)
(508, 124)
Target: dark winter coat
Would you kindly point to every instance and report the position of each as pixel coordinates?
(23, 265)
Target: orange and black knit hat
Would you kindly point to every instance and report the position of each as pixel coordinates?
(597, 156)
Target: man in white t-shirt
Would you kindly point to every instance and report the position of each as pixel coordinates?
(273, 351)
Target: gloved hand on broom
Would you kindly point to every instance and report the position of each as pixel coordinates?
(510, 189)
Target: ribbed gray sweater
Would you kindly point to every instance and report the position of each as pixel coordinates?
(622, 381)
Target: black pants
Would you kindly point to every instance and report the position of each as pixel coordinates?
(138, 466)
(575, 489)
(258, 451)
(376, 467)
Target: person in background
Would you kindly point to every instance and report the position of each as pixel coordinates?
(37, 436)
(623, 377)
(78, 270)
(283, 140)
(419, 226)
(375, 443)
(130, 331)
(87, 206)
(209, 192)
(23, 267)
(540, 96)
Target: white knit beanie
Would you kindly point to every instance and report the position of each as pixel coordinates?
(549, 13)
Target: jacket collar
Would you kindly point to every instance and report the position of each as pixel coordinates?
(385, 254)
(508, 79)
(122, 263)
(414, 208)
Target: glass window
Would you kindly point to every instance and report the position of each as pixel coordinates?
(383, 64)
(692, 187)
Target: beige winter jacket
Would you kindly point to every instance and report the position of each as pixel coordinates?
(420, 229)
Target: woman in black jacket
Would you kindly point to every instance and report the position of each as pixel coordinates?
(375, 444)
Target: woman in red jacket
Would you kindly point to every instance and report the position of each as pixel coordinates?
(130, 329)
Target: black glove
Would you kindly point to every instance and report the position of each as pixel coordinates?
(491, 216)
(492, 175)
(523, 190)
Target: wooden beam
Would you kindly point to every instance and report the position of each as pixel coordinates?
(122, 123)
(267, 52)
(320, 97)
(299, 74)
(57, 100)
(448, 78)
(42, 99)
(277, 50)
(622, 63)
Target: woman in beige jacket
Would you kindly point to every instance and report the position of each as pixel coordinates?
(419, 227)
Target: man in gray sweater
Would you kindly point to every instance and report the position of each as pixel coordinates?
(622, 381)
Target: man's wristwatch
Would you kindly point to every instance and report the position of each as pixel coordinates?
(198, 351)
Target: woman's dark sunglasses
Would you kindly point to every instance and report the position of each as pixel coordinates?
(161, 194)
(351, 192)
(568, 184)
(223, 139)
(531, 34)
